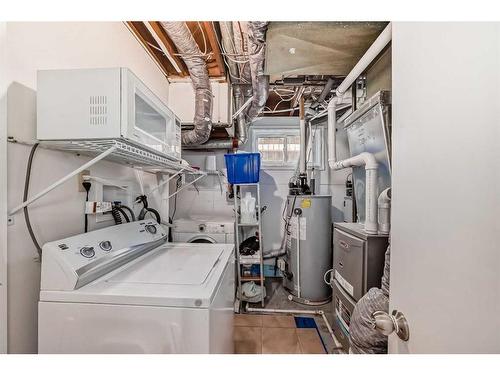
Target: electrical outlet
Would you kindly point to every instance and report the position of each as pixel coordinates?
(81, 189)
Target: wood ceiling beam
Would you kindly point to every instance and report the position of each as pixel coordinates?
(169, 45)
(136, 30)
(214, 45)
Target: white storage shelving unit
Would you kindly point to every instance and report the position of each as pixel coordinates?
(243, 231)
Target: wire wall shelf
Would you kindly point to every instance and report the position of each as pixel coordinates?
(116, 150)
(125, 152)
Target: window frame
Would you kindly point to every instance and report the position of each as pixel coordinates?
(286, 132)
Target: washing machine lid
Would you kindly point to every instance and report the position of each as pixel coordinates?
(173, 275)
(179, 265)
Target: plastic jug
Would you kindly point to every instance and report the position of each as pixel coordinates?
(248, 215)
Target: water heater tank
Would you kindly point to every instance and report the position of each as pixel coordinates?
(308, 245)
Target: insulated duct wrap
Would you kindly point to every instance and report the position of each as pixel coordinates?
(257, 54)
(226, 30)
(195, 61)
(241, 46)
(364, 338)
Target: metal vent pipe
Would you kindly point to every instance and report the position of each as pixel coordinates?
(195, 61)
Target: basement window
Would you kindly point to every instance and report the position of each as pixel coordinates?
(281, 150)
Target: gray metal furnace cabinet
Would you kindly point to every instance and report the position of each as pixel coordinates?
(358, 265)
(358, 258)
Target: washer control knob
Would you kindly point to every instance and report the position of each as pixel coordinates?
(151, 228)
(105, 245)
(87, 251)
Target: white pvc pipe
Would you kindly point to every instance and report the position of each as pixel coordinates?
(377, 46)
(285, 311)
(384, 211)
(298, 256)
(302, 155)
(303, 135)
(364, 159)
(63, 180)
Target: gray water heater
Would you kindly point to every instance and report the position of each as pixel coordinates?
(308, 245)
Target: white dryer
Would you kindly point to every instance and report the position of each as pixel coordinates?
(123, 289)
(203, 230)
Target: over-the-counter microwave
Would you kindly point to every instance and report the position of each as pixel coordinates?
(108, 103)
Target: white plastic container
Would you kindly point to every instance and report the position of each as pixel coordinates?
(248, 215)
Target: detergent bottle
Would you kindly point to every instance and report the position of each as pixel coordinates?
(248, 209)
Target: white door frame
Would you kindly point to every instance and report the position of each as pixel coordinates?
(3, 188)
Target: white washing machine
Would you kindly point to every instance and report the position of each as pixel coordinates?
(123, 289)
(203, 230)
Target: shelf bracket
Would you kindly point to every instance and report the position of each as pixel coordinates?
(186, 185)
(62, 180)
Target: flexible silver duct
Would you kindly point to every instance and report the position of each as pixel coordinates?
(241, 124)
(259, 89)
(241, 45)
(363, 337)
(188, 48)
(226, 30)
(257, 54)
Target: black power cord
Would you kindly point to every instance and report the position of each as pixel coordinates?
(145, 210)
(25, 198)
(86, 185)
(118, 210)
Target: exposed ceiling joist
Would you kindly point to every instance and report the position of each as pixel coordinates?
(212, 38)
(176, 61)
(158, 44)
(139, 30)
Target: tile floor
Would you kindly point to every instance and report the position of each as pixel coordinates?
(277, 298)
(274, 334)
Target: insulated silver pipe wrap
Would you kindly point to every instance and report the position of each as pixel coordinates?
(188, 48)
(257, 54)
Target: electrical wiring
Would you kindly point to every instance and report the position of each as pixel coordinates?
(25, 197)
(225, 58)
(280, 110)
(177, 185)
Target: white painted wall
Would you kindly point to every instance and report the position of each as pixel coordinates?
(3, 190)
(33, 46)
(445, 257)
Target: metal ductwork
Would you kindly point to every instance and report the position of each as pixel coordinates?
(240, 94)
(257, 54)
(241, 46)
(226, 30)
(195, 61)
(259, 90)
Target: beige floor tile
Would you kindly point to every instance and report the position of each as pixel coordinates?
(247, 340)
(247, 320)
(278, 321)
(280, 341)
(310, 342)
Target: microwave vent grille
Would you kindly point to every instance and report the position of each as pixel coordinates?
(98, 110)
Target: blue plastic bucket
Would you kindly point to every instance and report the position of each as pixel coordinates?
(243, 168)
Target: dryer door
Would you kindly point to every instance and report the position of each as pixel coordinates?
(202, 239)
